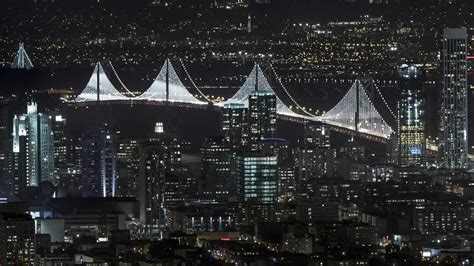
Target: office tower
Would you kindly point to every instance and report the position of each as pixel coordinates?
(46, 149)
(454, 110)
(60, 143)
(128, 162)
(32, 144)
(257, 177)
(311, 156)
(33, 148)
(249, 24)
(262, 117)
(277, 147)
(286, 182)
(317, 136)
(151, 187)
(216, 163)
(234, 124)
(17, 239)
(411, 117)
(17, 181)
(5, 146)
(159, 187)
(99, 164)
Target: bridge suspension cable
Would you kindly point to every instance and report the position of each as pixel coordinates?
(289, 95)
(192, 82)
(384, 101)
(118, 78)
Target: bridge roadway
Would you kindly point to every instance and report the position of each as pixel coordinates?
(372, 136)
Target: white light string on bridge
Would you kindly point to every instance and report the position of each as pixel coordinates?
(118, 78)
(22, 60)
(384, 123)
(384, 101)
(289, 95)
(192, 82)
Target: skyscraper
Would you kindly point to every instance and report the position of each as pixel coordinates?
(216, 163)
(257, 177)
(46, 149)
(454, 109)
(5, 145)
(32, 144)
(99, 164)
(234, 124)
(262, 117)
(60, 144)
(128, 162)
(411, 118)
(159, 187)
(33, 148)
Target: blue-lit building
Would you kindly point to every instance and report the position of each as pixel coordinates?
(411, 118)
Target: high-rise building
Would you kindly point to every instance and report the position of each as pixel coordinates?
(234, 124)
(286, 182)
(311, 156)
(99, 164)
(262, 117)
(411, 118)
(32, 144)
(60, 144)
(216, 165)
(46, 149)
(128, 163)
(257, 177)
(454, 109)
(317, 136)
(17, 181)
(159, 183)
(33, 149)
(17, 239)
(249, 24)
(5, 146)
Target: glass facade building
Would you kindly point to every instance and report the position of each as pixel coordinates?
(454, 109)
(99, 164)
(262, 117)
(258, 179)
(33, 149)
(411, 123)
(234, 124)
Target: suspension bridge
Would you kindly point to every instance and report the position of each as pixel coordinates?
(355, 112)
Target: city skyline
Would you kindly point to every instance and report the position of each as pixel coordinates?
(236, 132)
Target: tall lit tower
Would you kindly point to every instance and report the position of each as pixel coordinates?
(99, 164)
(411, 123)
(454, 109)
(262, 117)
(33, 147)
(249, 24)
(234, 124)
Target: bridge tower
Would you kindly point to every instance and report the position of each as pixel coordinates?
(357, 107)
(256, 78)
(98, 82)
(21, 61)
(167, 80)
